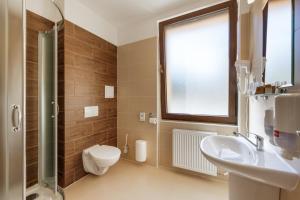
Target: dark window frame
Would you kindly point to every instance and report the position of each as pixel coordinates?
(231, 6)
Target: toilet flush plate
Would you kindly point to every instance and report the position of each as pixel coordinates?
(91, 111)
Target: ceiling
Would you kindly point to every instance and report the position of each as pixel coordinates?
(122, 12)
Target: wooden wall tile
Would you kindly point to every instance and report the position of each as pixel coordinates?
(89, 64)
(38, 23)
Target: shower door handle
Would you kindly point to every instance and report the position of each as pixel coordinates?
(56, 109)
(16, 121)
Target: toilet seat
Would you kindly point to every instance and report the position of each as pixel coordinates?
(104, 152)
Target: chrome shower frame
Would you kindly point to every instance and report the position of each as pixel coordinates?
(60, 23)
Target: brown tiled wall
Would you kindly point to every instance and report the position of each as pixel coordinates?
(35, 23)
(89, 63)
(61, 103)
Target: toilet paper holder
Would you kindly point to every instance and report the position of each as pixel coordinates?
(152, 118)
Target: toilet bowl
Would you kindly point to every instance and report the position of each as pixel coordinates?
(97, 159)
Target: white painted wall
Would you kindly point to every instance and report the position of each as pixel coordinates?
(45, 8)
(76, 13)
(138, 31)
(84, 17)
(89, 20)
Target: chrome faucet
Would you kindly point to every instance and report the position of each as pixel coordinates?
(259, 140)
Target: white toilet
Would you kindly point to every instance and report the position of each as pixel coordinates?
(97, 159)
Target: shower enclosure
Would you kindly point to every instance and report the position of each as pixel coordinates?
(47, 118)
(48, 110)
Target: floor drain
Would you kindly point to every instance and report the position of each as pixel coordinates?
(32, 196)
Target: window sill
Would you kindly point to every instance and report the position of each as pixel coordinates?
(198, 123)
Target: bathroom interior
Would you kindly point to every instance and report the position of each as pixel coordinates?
(140, 99)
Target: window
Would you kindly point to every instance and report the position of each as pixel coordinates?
(197, 55)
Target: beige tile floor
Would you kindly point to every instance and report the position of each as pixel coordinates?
(130, 181)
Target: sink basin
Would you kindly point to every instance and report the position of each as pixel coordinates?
(238, 156)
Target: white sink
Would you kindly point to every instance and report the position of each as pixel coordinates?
(238, 156)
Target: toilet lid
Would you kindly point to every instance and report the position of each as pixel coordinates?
(104, 152)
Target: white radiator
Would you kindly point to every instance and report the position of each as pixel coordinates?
(187, 153)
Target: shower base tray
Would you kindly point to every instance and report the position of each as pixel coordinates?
(38, 192)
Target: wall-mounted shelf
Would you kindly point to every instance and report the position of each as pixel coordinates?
(264, 96)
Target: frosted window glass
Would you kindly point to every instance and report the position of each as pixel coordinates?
(197, 60)
(279, 42)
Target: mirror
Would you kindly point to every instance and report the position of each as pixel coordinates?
(278, 42)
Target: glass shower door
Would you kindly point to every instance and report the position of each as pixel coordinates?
(11, 100)
(47, 109)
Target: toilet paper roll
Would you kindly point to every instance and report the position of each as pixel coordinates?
(140, 150)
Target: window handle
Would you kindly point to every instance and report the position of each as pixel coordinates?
(161, 69)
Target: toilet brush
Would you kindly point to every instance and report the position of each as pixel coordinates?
(126, 145)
